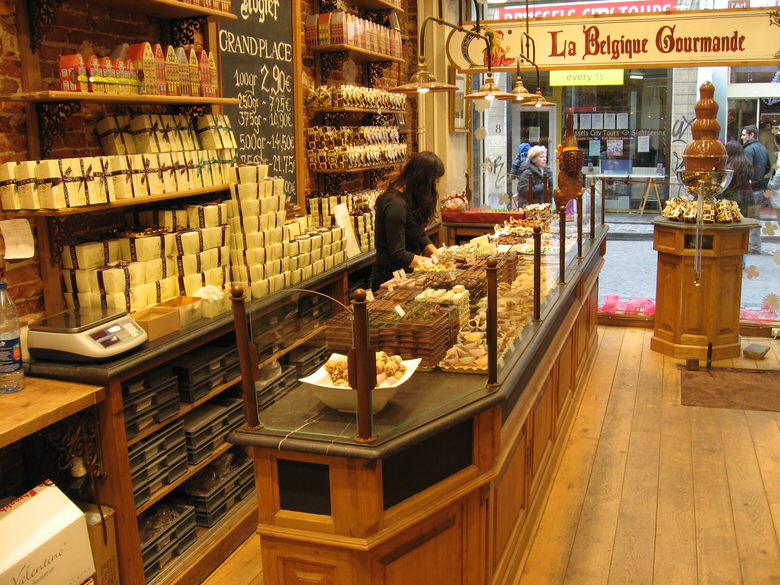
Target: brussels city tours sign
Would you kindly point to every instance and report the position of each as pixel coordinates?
(656, 39)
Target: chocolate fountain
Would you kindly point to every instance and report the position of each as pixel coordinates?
(570, 165)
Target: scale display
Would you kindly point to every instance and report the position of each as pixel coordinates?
(84, 335)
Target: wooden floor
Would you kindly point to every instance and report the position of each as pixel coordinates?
(648, 491)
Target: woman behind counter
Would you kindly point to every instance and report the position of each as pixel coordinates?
(402, 212)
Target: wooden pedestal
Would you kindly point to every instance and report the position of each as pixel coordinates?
(690, 316)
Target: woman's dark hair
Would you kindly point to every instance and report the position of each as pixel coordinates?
(417, 185)
(739, 163)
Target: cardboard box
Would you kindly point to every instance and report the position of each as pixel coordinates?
(189, 308)
(157, 321)
(43, 536)
(102, 539)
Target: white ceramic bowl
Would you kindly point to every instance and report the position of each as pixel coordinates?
(345, 399)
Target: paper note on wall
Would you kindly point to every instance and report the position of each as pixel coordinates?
(18, 239)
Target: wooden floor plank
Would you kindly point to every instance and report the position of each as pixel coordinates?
(632, 558)
(717, 554)
(675, 533)
(756, 538)
(593, 544)
(242, 567)
(766, 439)
(544, 564)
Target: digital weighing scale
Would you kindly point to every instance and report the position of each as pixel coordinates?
(86, 335)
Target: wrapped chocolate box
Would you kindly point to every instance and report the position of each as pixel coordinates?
(259, 289)
(216, 237)
(208, 215)
(160, 268)
(120, 277)
(247, 257)
(171, 127)
(183, 178)
(244, 241)
(104, 185)
(189, 264)
(9, 197)
(121, 177)
(115, 136)
(51, 189)
(167, 172)
(204, 162)
(146, 133)
(76, 301)
(138, 175)
(134, 299)
(141, 249)
(164, 290)
(209, 134)
(189, 241)
(171, 219)
(243, 207)
(152, 175)
(27, 185)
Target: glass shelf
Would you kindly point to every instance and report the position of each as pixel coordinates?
(357, 52)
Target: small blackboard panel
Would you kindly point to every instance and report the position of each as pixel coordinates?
(257, 62)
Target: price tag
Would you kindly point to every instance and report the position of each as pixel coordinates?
(369, 295)
(399, 274)
(399, 310)
(434, 258)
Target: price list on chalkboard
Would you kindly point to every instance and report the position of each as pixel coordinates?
(257, 68)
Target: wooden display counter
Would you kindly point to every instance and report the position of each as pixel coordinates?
(41, 403)
(451, 489)
(690, 315)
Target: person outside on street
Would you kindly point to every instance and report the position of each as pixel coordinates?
(739, 189)
(758, 156)
(534, 172)
(514, 172)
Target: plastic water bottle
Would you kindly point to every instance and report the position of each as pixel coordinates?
(11, 369)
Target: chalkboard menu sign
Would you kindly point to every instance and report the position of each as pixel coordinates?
(258, 68)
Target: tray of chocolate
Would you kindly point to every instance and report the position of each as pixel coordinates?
(339, 331)
(425, 331)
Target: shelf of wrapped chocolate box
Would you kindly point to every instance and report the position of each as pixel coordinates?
(119, 203)
(337, 109)
(125, 98)
(173, 9)
(378, 5)
(356, 52)
(359, 169)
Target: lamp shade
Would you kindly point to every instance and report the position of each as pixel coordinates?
(423, 81)
(489, 91)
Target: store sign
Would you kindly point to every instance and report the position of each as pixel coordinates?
(690, 39)
(568, 77)
(569, 9)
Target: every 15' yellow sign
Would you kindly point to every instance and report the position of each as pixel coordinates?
(567, 77)
(670, 39)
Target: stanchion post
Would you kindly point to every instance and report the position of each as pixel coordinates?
(579, 226)
(247, 358)
(492, 320)
(362, 362)
(592, 209)
(603, 199)
(537, 273)
(562, 244)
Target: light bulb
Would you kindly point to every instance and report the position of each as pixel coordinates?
(490, 97)
(423, 90)
(538, 105)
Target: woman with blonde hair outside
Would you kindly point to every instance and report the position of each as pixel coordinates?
(533, 176)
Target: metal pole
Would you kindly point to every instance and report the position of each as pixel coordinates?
(562, 243)
(537, 273)
(603, 199)
(247, 358)
(492, 320)
(363, 363)
(592, 209)
(579, 226)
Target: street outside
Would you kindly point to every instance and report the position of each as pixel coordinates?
(630, 264)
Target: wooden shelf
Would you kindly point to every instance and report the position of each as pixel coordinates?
(338, 109)
(377, 5)
(41, 403)
(357, 52)
(356, 169)
(114, 98)
(119, 204)
(173, 9)
(184, 408)
(191, 470)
